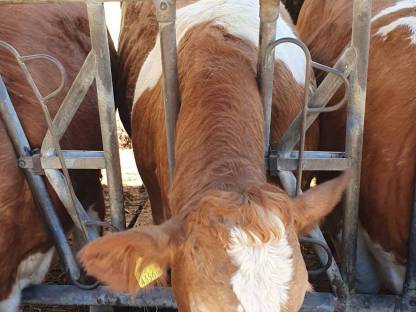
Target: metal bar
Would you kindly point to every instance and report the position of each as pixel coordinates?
(313, 161)
(355, 128)
(166, 16)
(163, 298)
(36, 183)
(269, 13)
(319, 99)
(107, 111)
(270, 60)
(71, 102)
(333, 273)
(409, 287)
(73, 160)
(71, 295)
(77, 212)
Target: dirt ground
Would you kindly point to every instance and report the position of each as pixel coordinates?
(138, 212)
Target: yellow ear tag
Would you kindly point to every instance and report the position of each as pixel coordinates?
(149, 274)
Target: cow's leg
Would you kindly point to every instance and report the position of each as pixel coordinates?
(32, 270)
(155, 196)
(391, 273)
(367, 278)
(12, 302)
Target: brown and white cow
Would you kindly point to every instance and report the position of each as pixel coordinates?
(61, 31)
(389, 156)
(228, 237)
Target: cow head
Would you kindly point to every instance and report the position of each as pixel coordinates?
(227, 252)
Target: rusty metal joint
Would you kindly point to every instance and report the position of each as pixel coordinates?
(269, 10)
(165, 10)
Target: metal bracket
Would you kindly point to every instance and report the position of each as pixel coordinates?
(33, 162)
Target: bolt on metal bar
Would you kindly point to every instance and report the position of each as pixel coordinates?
(73, 160)
(360, 42)
(166, 16)
(106, 107)
(269, 13)
(36, 183)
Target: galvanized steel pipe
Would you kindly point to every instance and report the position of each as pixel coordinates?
(269, 13)
(107, 111)
(355, 129)
(166, 16)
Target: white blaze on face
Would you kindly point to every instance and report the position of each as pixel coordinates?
(264, 270)
(240, 19)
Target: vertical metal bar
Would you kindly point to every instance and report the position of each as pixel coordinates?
(355, 128)
(409, 287)
(166, 16)
(269, 12)
(99, 41)
(36, 183)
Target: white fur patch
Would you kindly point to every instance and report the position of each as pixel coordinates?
(398, 6)
(32, 270)
(392, 272)
(261, 282)
(240, 19)
(407, 21)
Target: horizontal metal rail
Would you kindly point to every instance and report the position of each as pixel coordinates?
(73, 160)
(313, 161)
(163, 298)
(71, 295)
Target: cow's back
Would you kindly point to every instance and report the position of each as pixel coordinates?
(389, 154)
(62, 32)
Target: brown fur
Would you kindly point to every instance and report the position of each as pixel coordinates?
(389, 155)
(61, 31)
(219, 178)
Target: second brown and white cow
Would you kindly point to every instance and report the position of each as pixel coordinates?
(389, 154)
(60, 30)
(229, 237)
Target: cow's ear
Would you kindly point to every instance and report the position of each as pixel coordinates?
(127, 261)
(313, 205)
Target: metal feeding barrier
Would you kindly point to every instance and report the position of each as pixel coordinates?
(350, 70)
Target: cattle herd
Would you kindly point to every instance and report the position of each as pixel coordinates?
(225, 235)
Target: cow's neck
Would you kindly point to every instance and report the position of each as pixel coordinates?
(219, 139)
